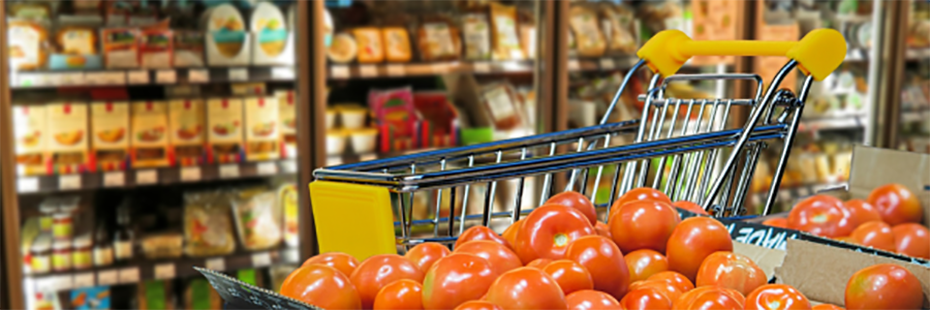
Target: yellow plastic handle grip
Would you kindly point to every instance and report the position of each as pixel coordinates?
(819, 53)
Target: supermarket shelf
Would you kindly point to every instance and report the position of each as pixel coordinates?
(917, 54)
(154, 176)
(142, 269)
(920, 113)
(845, 121)
(46, 79)
(602, 64)
(373, 71)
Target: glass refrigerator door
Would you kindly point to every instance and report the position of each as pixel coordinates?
(914, 135)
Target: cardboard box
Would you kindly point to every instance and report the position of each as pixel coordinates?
(187, 127)
(31, 135)
(262, 137)
(224, 130)
(68, 147)
(109, 122)
(149, 134)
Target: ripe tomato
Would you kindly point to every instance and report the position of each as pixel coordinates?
(510, 234)
(875, 234)
(883, 286)
(343, 262)
(827, 307)
(643, 225)
(570, 276)
(575, 200)
(380, 270)
(455, 279)
(526, 288)
(603, 257)
(861, 212)
(400, 295)
(776, 222)
(502, 259)
(664, 287)
(912, 239)
(644, 263)
(690, 206)
(821, 215)
(694, 239)
(731, 270)
(646, 298)
(591, 300)
(602, 229)
(321, 286)
(710, 297)
(539, 263)
(425, 254)
(678, 280)
(548, 230)
(896, 204)
(478, 305)
(777, 297)
(641, 193)
(479, 233)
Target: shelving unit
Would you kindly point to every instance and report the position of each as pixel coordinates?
(51, 79)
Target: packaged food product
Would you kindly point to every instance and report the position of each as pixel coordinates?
(187, 130)
(396, 44)
(30, 134)
(262, 137)
(157, 294)
(370, 47)
(61, 255)
(258, 218)
(505, 41)
(363, 140)
(226, 35)
(352, 116)
(247, 89)
(584, 24)
(87, 6)
(109, 123)
(270, 28)
(200, 295)
(120, 47)
(208, 230)
(156, 47)
(149, 134)
(76, 44)
(63, 220)
(77, 40)
(287, 111)
(68, 146)
(37, 11)
(343, 49)
(528, 39)
(188, 48)
(117, 13)
(477, 36)
(287, 197)
(501, 104)
(224, 134)
(82, 252)
(27, 44)
(394, 108)
(163, 245)
(335, 141)
(618, 28)
(438, 39)
(48, 207)
(103, 247)
(41, 251)
(90, 298)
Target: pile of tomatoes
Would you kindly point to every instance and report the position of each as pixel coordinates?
(561, 257)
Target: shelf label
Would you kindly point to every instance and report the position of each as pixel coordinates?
(283, 73)
(290, 255)
(439, 68)
(367, 71)
(169, 76)
(106, 78)
(229, 171)
(84, 279)
(190, 174)
(164, 271)
(28, 79)
(55, 79)
(261, 259)
(27, 185)
(72, 78)
(114, 179)
(129, 275)
(69, 181)
(289, 166)
(333, 161)
(340, 72)
(574, 65)
(396, 70)
(198, 76)
(107, 277)
(146, 177)
(217, 264)
(482, 67)
(239, 74)
(138, 77)
(607, 64)
(267, 168)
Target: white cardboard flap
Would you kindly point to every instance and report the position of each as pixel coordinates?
(874, 167)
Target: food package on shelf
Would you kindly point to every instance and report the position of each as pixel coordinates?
(76, 43)
(477, 36)
(30, 133)
(527, 30)
(273, 43)
(224, 130)
(344, 49)
(38, 11)
(200, 295)
(187, 131)
(584, 23)
(155, 294)
(503, 105)
(156, 48)
(227, 42)
(258, 218)
(287, 118)
(91, 298)
(188, 49)
(395, 117)
(505, 41)
(120, 47)
(262, 138)
(287, 197)
(619, 28)
(440, 119)
(149, 134)
(370, 48)
(110, 129)
(438, 39)
(28, 42)
(396, 44)
(208, 229)
(68, 146)
(162, 245)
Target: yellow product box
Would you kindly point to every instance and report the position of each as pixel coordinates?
(224, 134)
(263, 139)
(109, 124)
(187, 131)
(67, 125)
(149, 134)
(30, 133)
(287, 118)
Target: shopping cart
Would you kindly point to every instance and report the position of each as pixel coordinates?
(684, 146)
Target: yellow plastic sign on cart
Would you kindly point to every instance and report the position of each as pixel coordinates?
(353, 219)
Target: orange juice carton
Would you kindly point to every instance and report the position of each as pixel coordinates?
(187, 127)
(30, 135)
(150, 134)
(262, 137)
(224, 130)
(109, 124)
(69, 147)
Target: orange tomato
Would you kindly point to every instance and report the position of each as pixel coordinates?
(861, 212)
(645, 298)
(731, 270)
(539, 263)
(602, 229)
(591, 300)
(502, 259)
(549, 230)
(380, 270)
(710, 297)
(510, 234)
(664, 287)
(643, 225)
(570, 276)
(896, 204)
(343, 262)
(690, 206)
(912, 240)
(827, 307)
(526, 288)
(455, 279)
(776, 222)
(478, 305)
(575, 200)
(644, 263)
(322, 286)
(883, 286)
(479, 233)
(678, 280)
(694, 239)
(641, 193)
(821, 215)
(875, 234)
(425, 254)
(777, 297)
(603, 257)
(400, 295)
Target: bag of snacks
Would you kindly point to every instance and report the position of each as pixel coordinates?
(207, 228)
(438, 39)
(258, 218)
(506, 42)
(583, 22)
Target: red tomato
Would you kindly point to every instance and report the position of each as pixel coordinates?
(710, 297)
(776, 222)
(570, 276)
(479, 233)
(883, 286)
(548, 230)
(641, 193)
(874, 234)
(896, 204)
(321, 286)
(603, 257)
(400, 295)
(646, 298)
(777, 297)
(602, 229)
(343, 262)
(526, 288)
(539, 263)
(827, 307)
(821, 215)
(676, 279)
(455, 279)
(644, 263)
(731, 270)
(694, 239)
(690, 206)
(502, 259)
(861, 212)
(575, 200)
(643, 225)
(912, 240)
(478, 305)
(510, 234)
(591, 300)
(380, 270)
(425, 254)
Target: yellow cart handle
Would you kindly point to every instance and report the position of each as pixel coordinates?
(819, 53)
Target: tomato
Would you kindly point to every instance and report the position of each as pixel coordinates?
(643, 225)
(548, 230)
(644, 263)
(694, 239)
(425, 254)
(777, 297)
(883, 286)
(478, 305)
(502, 259)
(912, 240)
(641, 193)
(821, 215)
(510, 234)
(861, 212)
(400, 294)
(896, 204)
(710, 297)
(875, 234)
(664, 287)
(646, 298)
(603, 259)
(591, 300)
(690, 206)
(731, 270)
(575, 200)
(570, 275)
(479, 233)
(827, 307)
(602, 229)
(343, 262)
(455, 279)
(776, 222)
(380, 270)
(678, 280)
(321, 286)
(526, 288)
(539, 263)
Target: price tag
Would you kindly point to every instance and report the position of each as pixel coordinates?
(55, 79)
(106, 78)
(607, 64)
(190, 174)
(482, 67)
(439, 68)
(283, 73)
(164, 271)
(62, 283)
(239, 74)
(229, 171)
(339, 72)
(574, 65)
(367, 71)
(72, 78)
(267, 168)
(129, 275)
(291, 255)
(169, 76)
(261, 259)
(217, 264)
(27, 79)
(84, 280)
(114, 179)
(289, 166)
(333, 161)
(198, 76)
(27, 185)
(139, 77)
(146, 177)
(107, 277)
(69, 181)
(396, 70)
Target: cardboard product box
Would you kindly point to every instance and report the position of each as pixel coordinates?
(187, 128)
(150, 134)
(31, 136)
(224, 130)
(287, 118)
(262, 138)
(109, 122)
(68, 146)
